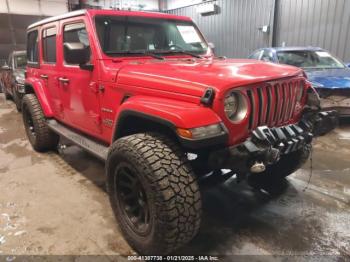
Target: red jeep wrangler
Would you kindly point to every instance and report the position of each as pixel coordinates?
(144, 92)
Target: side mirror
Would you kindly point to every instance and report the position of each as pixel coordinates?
(347, 64)
(77, 53)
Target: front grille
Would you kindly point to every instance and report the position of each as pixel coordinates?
(273, 104)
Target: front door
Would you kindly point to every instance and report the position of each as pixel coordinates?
(78, 87)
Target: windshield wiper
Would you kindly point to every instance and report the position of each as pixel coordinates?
(178, 51)
(135, 53)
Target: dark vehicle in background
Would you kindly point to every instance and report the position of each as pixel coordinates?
(328, 75)
(12, 77)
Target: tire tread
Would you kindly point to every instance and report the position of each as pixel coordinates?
(45, 139)
(171, 178)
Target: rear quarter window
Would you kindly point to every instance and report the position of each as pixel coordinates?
(33, 48)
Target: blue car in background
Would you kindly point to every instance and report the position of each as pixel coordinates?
(328, 75)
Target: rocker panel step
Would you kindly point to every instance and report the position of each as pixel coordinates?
(93, 147)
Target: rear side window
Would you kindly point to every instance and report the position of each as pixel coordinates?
(9, 62)
(75, 33)
(49, 45)
(256, 55)
(267, 56)
(33, 48)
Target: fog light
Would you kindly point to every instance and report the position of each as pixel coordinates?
(202, 132)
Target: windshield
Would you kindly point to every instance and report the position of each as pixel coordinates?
(125, 35)
(309, 59)
(20, 61)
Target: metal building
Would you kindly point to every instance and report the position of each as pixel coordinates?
(237, 26)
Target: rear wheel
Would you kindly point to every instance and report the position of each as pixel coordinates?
(273, 179)
(7, 95)
(39, 135)
(17, 100)
(153, 192)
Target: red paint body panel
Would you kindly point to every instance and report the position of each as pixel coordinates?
(192, 77)
(181, 114)
(42, 93)
(169, 89)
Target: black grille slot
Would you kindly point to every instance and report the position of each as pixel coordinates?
(252, 108)
(261, 105)
(277, 95)
(269, 105)
(292, 87)
(290, 100)
(282, 109)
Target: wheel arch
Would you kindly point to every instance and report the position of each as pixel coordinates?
(140, 114)
(131, 122)
(28, 89)
(37, 87)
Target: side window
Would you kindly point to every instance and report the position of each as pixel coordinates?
(267, 56)
(32, 48)
(9, 62)
(256, 55)
(49, 45)
(75, 33)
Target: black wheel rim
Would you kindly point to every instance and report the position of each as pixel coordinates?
(132, 199)
(29, 123)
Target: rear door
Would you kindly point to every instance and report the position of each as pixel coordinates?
(79, 87)
(49, 68)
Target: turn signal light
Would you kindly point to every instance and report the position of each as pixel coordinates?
(184, 133)
(201, 132)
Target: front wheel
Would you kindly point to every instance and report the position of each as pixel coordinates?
(153, 192)
(7, 95)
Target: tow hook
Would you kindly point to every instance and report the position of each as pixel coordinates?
(257, 167)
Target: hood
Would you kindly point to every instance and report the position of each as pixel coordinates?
(193, 76)
(330, 78)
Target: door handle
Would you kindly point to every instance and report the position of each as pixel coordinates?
(44, 76)
(63, 80)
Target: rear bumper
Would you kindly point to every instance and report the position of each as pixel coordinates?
(266, 145)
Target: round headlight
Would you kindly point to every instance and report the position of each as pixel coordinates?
(231, 105)
(235, 106)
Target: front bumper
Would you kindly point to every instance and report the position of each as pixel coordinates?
(267, 145)
(20, 88)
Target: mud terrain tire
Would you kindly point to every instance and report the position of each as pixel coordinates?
(7, 95)
(17, 100)
(170, 191)
(39, 135)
